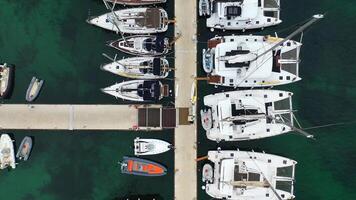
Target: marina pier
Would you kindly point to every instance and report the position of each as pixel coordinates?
(87, 117)
(185, 136)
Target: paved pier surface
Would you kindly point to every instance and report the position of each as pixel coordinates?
(68, 117)
(185, 179)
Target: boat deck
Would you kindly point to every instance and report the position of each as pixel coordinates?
(185, 179)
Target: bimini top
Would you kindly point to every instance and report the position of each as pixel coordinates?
(149, 90)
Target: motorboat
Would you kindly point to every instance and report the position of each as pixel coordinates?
(141, 20)
(7, 153)
(142, 167)
(150, 146)
(136, 2)
(243, 14)
(33, 89)
(139, 90)
(253, 61)
(139, 67)
(7, 73)
(24, 149)
(244, 175)
(142, 45)
(247, 114)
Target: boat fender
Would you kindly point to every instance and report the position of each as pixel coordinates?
(135, 127)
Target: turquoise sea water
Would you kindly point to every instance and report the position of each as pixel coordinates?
(51, 40)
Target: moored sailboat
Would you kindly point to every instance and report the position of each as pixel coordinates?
(133, 21)
(138, 90)
(253, 61)
(247, 114)
(142, 45)
(248, 175)
(139, 67)
(243, 14)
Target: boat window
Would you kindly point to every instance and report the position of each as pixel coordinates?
(284, 186)
(285, 171)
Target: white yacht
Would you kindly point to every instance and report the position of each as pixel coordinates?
(139, 67)
(253, 61)
(243, 175)
(247, 114)
(150, 146)
(7, 153)
(243, 14)
(142, 45)
(133, 21)
(138, 90)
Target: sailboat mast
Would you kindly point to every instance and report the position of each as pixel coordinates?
(315, 18)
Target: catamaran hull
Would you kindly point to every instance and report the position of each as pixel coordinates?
(255, 118)
(233, 169)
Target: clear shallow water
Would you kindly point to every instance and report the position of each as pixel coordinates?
(326, 94)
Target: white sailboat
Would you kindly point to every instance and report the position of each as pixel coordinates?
(7, 153)
(142, 45)
(243, 175)
(243, 14)
(253, 61)
(150, 146)
(138, 90)
(247, 114)
(133, 20)
(139, 67)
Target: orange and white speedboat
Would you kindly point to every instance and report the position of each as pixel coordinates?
(142, 167)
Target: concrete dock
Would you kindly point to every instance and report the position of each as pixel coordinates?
(185, 179)
(80, 117)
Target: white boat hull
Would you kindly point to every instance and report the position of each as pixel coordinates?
(7, 153)
(138, 68)
(133, 21)
(150, 146)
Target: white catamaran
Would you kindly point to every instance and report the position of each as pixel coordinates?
(133, 21)
(253, 61)
(247, 114)
(243, 175)
(243, 14)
